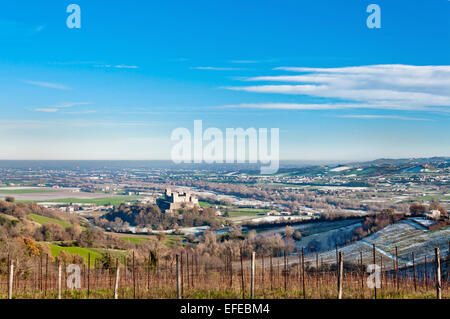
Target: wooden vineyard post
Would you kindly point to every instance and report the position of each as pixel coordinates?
(89, 276)
(252, 282)
(182, 275)
(95, 273)
(271, 273)
(278, 270)
(192, 270)
(242, 276)
(197, 266)
(134, 277)
(178, 276)
(116, 281)
(231, 269)
(148, 269)
(59, 280)
(438, 274)
(110, 276)
(447, 262)
(285, 271)
(337, 257)
(187, 270)
(381, 272)
(396, 268)
(46, 275)
(84, 285)
(303, 273)
(374, 262)
(125, 269)
(426, 273)
(299, 265)
(317, 272)
(361, 273)
(340, 274)
(262, 270)
(414, 272)
(10, 279)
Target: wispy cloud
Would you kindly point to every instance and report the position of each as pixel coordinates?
(389, 117)
(119, 66)
(46, 110)
(321, 106)
(37, 29)
(42, 124)
(48, 85)
(215, 68)
(70, 104)
(81, 112)
(374, 86)
(57, 107)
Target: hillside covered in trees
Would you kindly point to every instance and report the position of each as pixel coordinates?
(150, 216)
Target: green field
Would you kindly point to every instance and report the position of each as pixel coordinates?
(113, 200)
(204, 204)
(172, 239)
(46, 220)
(430, 198)
(83, 252)
(247, 212)
(134, 240)
(25, 191)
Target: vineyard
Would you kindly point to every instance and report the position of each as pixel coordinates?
(192, 276)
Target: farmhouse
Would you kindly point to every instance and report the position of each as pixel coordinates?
(433, 214)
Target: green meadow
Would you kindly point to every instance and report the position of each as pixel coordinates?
(85, 252)
(46, 220)
(134, 240)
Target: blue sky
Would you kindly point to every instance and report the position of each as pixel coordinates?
(136, 70)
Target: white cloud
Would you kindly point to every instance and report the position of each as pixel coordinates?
(8, 125)
(82, 112)
(57, 107)
(46, 110)
(374, 86)
(322, 106)
(120, 66)
(48, 85)
(126, 66)
(391, 117)
(70, 104)
(214, 68)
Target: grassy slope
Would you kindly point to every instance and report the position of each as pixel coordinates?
(83, 252)
(134, 240)
(45, 220)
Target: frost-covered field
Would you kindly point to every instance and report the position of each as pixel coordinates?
(404, 235)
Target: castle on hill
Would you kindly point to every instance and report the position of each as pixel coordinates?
(174, 200)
